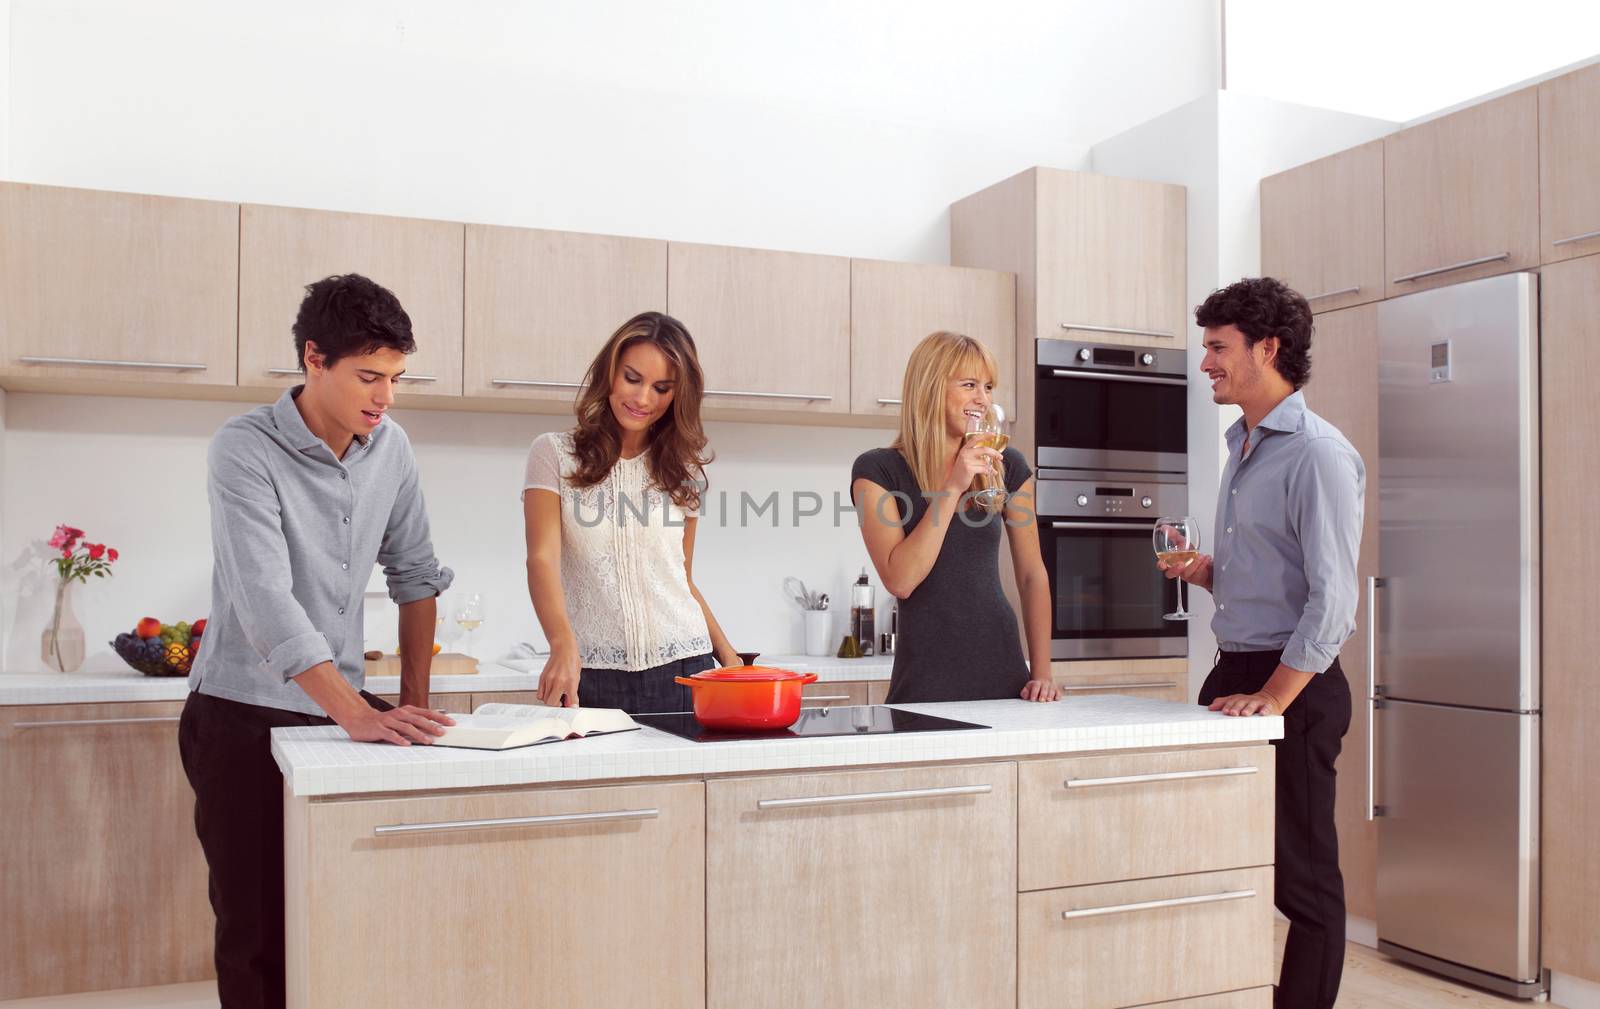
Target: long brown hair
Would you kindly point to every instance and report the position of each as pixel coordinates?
(939, 357)
(675, 444)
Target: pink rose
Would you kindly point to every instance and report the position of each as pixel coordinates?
(58, 539)
(111, 554)
(96, 551)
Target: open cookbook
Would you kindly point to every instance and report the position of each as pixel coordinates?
(508, 726)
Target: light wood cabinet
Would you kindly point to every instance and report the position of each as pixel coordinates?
(1344, 391)
(1156, 679)
(282, 249)
(773, 328)
(137, 290)
(1129, 944)
(833, 694)
(1461, 195)
(894, 305)
(1322, 228)
(604, 911)
(1569, 304)
(541, 304)
(452, 704)
(877, 691)
(104, 883)
(909, 900)
(1194, 811)
(1569, 162)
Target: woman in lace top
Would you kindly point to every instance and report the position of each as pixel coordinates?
(610, 509)
(938, 550)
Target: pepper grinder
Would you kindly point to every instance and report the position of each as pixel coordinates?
(863, 611)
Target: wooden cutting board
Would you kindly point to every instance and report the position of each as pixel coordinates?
(444, 664)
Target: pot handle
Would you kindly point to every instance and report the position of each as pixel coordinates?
(687, 682)
(809, 678)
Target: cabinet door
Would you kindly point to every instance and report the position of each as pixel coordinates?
(1111, 260)
(1344, 391)
(1461, 195)
(541, 304)
(451, 704)
(833, 694)
(1156, 679)
(104, 883)
(282, 249)
(1322, 228)
(894, 305)
(1569, 301)
(590, 898)
(1569, 162)
(822, 884)
(773, 328)
(117, 287)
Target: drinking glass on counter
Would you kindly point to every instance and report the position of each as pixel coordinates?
(989, 431)
(469, 617)
(1177, 543)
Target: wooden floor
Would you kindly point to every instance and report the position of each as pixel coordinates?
(1371, 981)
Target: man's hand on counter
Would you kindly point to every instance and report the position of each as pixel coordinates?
(400, 726)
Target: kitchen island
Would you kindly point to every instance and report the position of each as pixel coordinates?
(1100, 852)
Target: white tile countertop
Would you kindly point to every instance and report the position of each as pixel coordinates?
(516, 674)
(323, 761)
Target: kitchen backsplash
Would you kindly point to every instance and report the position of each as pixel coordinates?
(133, 472)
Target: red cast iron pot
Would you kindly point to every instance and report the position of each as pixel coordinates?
(747, 697)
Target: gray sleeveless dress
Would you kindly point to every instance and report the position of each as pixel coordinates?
(958, 638)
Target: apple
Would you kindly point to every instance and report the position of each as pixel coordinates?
(148, 628)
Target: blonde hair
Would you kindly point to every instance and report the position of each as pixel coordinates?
(938, 358)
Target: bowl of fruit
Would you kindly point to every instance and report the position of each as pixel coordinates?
(158, 649)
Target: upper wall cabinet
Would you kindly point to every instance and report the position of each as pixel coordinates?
(1322, 228)
(541, 304)
(1569, 164)
(119, 287)
(1461, 195)
(772, 328)
(894, 305)
(282, 249)
(1097, 258)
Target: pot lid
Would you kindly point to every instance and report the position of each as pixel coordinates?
(747, 674)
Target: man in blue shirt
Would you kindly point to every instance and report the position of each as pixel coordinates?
(306, 495)
(1283, 577)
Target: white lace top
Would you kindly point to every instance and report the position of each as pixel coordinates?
(621, 562)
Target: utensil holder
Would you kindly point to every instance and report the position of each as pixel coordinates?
(817, 627)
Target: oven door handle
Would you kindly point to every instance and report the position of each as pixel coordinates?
(1108, 376)
(1116, 526)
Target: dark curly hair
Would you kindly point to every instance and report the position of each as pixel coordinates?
(348, 315)
(1261, 307)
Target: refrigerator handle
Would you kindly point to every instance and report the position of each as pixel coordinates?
(1374, 583)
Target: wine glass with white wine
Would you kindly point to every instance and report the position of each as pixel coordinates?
(990, 432)
(1177, 543)
(469, 617)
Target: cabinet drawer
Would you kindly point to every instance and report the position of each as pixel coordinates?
(1150, 940)
(834, 694)
(1193, 811)
(1250, 998)
(1155, 688)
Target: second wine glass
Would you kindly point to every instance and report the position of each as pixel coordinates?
(1177, 544)
(469, 617)
(990, 432)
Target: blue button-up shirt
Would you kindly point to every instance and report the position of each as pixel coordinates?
(294, 534)
(1287, 537)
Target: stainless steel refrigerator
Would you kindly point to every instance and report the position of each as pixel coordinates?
(1454, 625)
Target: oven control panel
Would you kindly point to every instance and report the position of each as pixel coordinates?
(1070, 354)
(1066, 497)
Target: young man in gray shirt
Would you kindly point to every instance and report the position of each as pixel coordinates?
(1284, 579)
(306, 495)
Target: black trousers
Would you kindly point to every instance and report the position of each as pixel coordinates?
(1308, 885)
(644, 691)
(238, 815)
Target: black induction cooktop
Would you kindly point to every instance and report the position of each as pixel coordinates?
(814, 723)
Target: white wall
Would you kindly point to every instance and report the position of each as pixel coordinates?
(828, 126)
(5, 84)
(1400, 59)
(131, 473)
(1220, 147)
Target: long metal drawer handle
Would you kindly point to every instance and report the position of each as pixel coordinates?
(909, 793)
(826, 697)
(1151, 905)
(1453, 266)
(1335, 294)
(1374, 583)
(1141, 779)
(1577, 238)
(768, 395)
(1161, 685)
(147, 720)
(89, 362)
(885, 401)
(393, 829)
(535, 383)
(1121, 526)
(1119, 329)
(402, 378)
(1110, 377)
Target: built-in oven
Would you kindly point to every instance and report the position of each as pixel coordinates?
(1107, 597)
(1111, 408)
(1112, 448)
